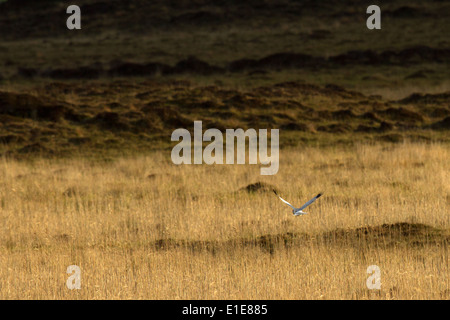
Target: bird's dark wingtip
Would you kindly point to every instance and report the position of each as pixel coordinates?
(275, 191)
(319, 195)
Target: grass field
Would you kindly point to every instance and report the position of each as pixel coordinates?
(145, 228)
(86, 176)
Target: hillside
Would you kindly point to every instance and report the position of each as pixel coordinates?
(138, 70)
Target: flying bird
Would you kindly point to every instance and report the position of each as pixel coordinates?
(298, 211)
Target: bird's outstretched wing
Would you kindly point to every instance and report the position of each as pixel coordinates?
(290, 205)
(311, 201)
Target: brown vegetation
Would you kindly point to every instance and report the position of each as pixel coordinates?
(144, 228)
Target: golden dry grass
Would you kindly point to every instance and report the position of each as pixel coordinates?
(144, 228)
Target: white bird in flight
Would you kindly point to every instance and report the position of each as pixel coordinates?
(298, 211)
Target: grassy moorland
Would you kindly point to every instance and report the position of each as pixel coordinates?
(145, 228)
(86, 176)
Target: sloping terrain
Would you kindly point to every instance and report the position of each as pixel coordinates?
(141, 38)
(57, 118)
(137, 70)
